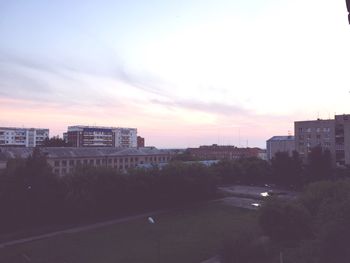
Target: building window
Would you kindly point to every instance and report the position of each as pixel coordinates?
(85, 162)
(91, 162)
(57, 163)
(71, 162)
(109, 161)
(64, 163)
(56, 171)
(98, 162)
(308, 130)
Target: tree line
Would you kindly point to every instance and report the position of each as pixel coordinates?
(31, 195)
(283, 170)
(315, 228)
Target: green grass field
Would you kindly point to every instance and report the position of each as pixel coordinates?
(187, 236)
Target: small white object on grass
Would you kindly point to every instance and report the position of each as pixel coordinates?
(151, 220)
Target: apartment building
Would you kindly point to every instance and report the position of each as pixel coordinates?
(97, 136)
(342, 139)
(309, 134)
(280, 144)
(64, 160)
(332, 134)
(22, 137)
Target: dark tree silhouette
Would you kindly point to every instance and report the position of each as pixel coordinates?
(286, 170)
(56, 142)
(319, 165)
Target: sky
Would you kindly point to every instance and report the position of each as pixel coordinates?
(184, 73)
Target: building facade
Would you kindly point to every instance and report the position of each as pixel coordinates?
(280, 144)
(22, 137)
(125, 137)
(94, 136)
(64, 160)
(309, 134)
(332, 134)
(342, 139)
(224, 152)
(140, 142)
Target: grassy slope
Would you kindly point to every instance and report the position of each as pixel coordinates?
(187, 236)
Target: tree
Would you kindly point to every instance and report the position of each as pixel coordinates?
(255, 170)
(245, 247)
(229, 171)
(319, 165)
(284, 222)
(286, 170)
(56, 142)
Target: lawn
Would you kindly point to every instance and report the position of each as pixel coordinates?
(186, 236)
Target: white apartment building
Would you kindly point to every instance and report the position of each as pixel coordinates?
(22, 137)
(98, 136)
(125, 137)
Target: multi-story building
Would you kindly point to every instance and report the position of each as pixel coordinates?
(280, 144)
(64, 160)
(93, 136)
(309, 134)
(332, 134)
(22, 137)
(223, 152)
(342, 139)
(125, 137)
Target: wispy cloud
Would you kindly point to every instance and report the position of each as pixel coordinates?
(208, 107)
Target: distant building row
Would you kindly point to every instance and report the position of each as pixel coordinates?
(77, 136)
(332, 134)
(225, 152)
(64, 160)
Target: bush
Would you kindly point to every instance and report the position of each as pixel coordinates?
(285, 223)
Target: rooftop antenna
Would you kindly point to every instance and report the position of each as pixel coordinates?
(239, 137)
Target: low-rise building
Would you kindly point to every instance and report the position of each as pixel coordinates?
(223, 152)
(280, 144)
(64, 160)
(22, 137)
